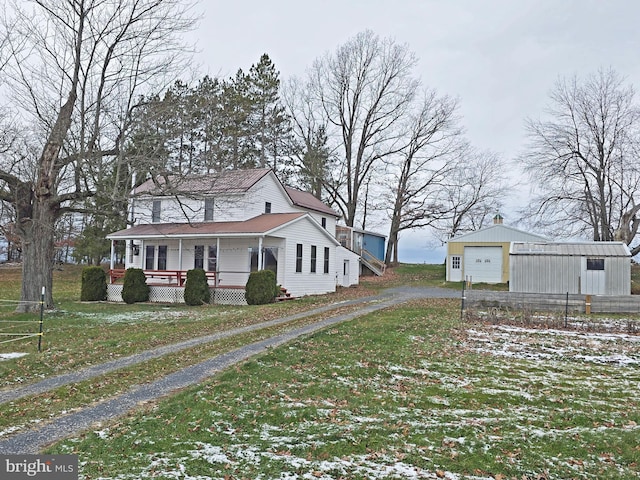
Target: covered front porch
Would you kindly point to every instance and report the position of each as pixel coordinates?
(227, 262)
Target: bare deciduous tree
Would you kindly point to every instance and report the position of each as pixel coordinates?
(75, 69)
(417, 172)
(583, 161)
(363, 90)
(473, 192)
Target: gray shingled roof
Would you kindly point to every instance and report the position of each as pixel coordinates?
(228, 181)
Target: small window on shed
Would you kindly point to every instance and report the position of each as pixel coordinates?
(595, 263)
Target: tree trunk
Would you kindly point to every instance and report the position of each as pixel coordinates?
(37, 259)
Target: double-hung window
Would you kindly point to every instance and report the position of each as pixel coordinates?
(298, 257)
(314, 258)
(155, 213)
(208, 209)
(326, 259)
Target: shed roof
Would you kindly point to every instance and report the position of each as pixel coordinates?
(497, 233)
(571, 249)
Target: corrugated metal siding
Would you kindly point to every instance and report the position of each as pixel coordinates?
(556, 273)
(618, 276)
(544, 274)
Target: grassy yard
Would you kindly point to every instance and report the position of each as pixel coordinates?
(409, 392)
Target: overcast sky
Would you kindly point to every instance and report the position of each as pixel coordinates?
(499, 57)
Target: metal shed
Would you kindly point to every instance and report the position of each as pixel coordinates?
(596, 268)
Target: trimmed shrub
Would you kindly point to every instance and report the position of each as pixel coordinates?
(94, 284)
(135, 288)
(196, 290)
(261, 287)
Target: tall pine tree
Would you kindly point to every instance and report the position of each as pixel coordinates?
(269, 121)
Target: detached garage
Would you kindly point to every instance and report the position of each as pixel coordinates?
(483, 256)
(591, 268)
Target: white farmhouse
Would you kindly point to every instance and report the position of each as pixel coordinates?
(231, 224)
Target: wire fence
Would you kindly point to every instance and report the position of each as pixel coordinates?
(16, 330)
(560, 311)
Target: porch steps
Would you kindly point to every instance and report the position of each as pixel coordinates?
(284, 295)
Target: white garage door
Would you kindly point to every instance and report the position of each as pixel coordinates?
(483, 264)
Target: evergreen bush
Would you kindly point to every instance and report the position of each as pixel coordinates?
(94, 284)
(261, 287)
(196, 290)
(135, 288)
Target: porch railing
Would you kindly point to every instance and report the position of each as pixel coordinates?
(161, 277)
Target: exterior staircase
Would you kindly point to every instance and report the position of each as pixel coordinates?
(372, 263)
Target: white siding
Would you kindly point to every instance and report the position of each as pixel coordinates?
(307, 283)
(230, 207)
(352, 275)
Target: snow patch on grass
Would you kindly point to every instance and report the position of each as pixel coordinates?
(11, 355)
(615, 349)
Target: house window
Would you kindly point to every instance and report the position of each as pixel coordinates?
(326, 259)
(314, 258)
(212, 259)
(455, 263)
(208, 209)
(324, 222)
(198, 256)
(267, 207)
(149, 257)
(270, 258)
(162, 257)
(155, 213)
(299, 257)
(595, 263)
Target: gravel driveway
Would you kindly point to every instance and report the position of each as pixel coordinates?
(34, 440)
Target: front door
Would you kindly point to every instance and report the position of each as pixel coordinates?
(345, 273)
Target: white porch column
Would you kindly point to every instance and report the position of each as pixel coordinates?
(260, 259)
(217, 261)
(179, 254)
(111, 259)
(142, 255)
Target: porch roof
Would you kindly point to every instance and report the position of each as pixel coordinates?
(260, 225)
